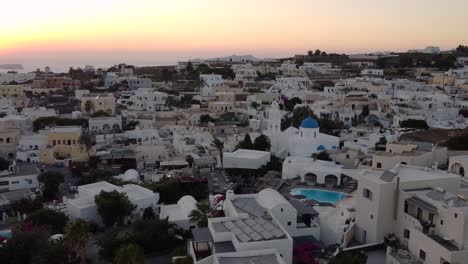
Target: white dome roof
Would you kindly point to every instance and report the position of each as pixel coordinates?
(131, 174)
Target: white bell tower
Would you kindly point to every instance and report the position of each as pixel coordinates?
(274, 119)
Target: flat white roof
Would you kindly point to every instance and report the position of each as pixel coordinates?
(409, 173)
(89, 191)
(246, 154)
(61, 129)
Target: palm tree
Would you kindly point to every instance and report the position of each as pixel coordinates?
(219, 145)
(76, 237)
(200, 215)
(88, 107)
(130, 254)
(86, 141)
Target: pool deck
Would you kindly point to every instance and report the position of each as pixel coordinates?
(348, 202)
(295, 184)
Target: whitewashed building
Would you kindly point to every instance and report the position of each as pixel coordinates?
(246, 159)
(179, 213)
(84, 207)
(297, 142)
(144, 99)
(105, 125)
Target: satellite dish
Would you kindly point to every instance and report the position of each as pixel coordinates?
(450, 203)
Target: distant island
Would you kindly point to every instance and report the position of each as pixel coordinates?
(11, 66)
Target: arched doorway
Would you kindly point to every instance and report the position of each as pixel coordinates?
(331, 181)
(106, 127)
(458, 169)
(310, 178)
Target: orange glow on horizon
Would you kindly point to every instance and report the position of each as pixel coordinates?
(264, 26)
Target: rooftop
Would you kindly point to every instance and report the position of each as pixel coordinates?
(309, 122)
(263, 259)
(406, 173)
(246, 154)
(65, 129)
(259, 226)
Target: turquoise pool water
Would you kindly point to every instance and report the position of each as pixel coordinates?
(5, 233)
(320, 195)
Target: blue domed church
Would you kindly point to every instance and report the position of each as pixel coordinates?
(297, 142)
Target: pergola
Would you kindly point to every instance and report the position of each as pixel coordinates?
(202, 242)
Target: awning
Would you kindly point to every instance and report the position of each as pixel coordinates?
(202, 235)
(418, 202)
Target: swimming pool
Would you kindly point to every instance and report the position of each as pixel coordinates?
(5, 234)
(320, 195)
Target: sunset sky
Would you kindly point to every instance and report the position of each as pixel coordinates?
(160, 31)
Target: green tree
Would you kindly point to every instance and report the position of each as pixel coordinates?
(54, 252)
(111, 241)
(262, 143)
(219, 145)
(86, 140)
(88, 107)
(26, 206)
(77, 235)
(171, 190)
(154, 235)
(96, 175)
(301, 113)
(51, 181)
(381, 144)
(4, 164)
(189, 67)
(100, 113)
(365, 111)
(414, 123)
(246, 143)
(148, 213)
(23, 246)
(199, 216)
(189, 159)
(322, 156)
(52, 220)
(130, 254)
(113, 207)
(204, 119)
(289, 104)
(184, 260)
(43, 122)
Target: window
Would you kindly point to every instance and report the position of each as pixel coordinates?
(289, 223)
(406, 207)
(455, 215)
(441, 222)
(3, 183)
(422, 254)
(379, 165)
(54, 142)
(14, 182)
(347, 156)
(406, 233)
(281, 209)
(366, 193)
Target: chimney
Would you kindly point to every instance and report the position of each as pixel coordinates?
(230, 194)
